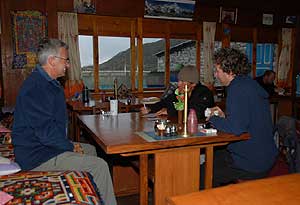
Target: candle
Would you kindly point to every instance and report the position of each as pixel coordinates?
(185, 134)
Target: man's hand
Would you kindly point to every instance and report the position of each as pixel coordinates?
(280, 91)
(144, 110)
(78, 148)
(163, 111)
(215, 111)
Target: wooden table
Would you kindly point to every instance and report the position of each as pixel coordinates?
(75, 108)
(282, 105)
(78, 107)
(176, 162)
(275, 190)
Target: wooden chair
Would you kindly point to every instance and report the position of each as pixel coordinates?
(99, 106)
(105, 106)
(122, 108)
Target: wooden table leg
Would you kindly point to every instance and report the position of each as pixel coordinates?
(209, 161)
(77, 129)
(275, 113)
(176, 172)
(74, 126)
(144, 179)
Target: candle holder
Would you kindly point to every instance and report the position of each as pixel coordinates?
(185, 132)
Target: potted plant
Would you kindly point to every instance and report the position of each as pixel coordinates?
(179, 105)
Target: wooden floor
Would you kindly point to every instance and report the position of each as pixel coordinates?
(128, 200)
(132, 200)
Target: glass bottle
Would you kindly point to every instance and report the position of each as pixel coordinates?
(115, 89)
(298, 84)
(85, 95)
(103, 96)
(192, 122)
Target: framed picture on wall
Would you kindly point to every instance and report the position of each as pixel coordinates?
(290, 20)
(228, 16)
(267, 19)
(85, 6)
(170, 9)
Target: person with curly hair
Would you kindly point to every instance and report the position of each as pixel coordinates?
(247, 111)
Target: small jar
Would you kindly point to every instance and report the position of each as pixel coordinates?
(173, 130)
(167, 132)
(155, 126)
(160, 126)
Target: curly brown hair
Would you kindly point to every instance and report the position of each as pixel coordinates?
(232, 60)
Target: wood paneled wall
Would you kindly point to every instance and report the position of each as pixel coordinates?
(13, 78)
(130, 10)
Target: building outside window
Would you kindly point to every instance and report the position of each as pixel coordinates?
(86, 60)
(154, 68)
(114, 61)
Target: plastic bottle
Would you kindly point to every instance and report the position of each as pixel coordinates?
(192, 122)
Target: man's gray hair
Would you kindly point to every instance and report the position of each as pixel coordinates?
(48, 47)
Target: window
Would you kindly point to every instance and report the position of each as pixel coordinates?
(265, 55)
(114, 60)
(218, 45)
(244, 47)
(182, 52)
(86, 60)
(154, 63)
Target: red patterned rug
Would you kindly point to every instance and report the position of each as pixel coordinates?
(65, 187)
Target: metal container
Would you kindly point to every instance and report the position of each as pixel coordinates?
(167, 132)
(173, 130)
(160, 126)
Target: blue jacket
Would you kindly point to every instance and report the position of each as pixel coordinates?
(39, 128)
(248, 110)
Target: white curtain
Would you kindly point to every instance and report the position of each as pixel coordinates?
(209, 30)
(284, 64)
(68, 32)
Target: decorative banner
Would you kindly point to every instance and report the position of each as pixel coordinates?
(29, 27)
(291, 20)
(170, 9)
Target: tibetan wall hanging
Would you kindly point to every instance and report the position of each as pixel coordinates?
(29, 27)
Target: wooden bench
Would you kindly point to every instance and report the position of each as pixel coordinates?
(283, 189)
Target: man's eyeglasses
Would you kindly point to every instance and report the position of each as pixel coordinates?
(66, 59)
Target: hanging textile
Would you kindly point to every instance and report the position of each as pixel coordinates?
(28, 28)
(209, 30)
(284, 64)
(68, 32)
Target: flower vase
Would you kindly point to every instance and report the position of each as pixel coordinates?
(180, 121)
(180, 117)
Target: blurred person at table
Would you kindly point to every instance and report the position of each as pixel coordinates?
(247, 111)
(199, 96)
(267, 82)
(39, 131)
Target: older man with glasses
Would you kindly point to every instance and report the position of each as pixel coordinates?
(40, 123)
